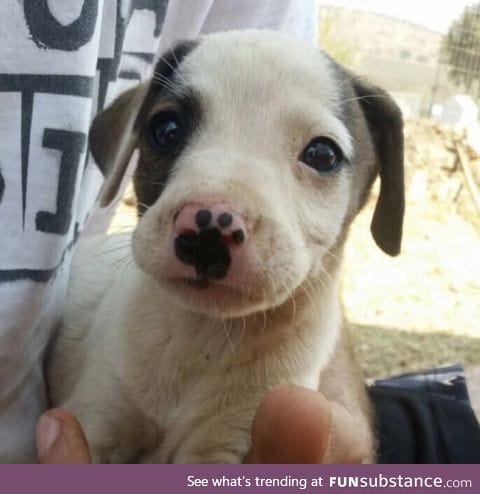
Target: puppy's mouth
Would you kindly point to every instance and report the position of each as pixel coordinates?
(200, 283)
(203, 290)
(206, 284)
(217, 298)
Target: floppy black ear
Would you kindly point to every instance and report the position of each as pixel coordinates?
(113, 134)
(385, 123)
(112, 139)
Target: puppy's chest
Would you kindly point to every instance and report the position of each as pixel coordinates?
(180, 367)
(199, 366)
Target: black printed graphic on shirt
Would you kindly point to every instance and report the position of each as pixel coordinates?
(64, 142)
(158, 7)
(48, 32)
(2, 185)
(72, 145)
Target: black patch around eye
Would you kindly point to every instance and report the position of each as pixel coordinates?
(164, 136)
(164, 81)
(162, 140)
(322, 154)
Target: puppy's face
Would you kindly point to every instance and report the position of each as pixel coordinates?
(255, 155)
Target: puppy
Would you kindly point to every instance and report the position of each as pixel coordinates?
(256, 152)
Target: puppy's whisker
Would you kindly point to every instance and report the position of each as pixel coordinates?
(165, 83)
(273, 285)
(157, 76)
(293, 303)
(164, 59)
(174, 68)
(120, 229)
(228, 338)
(307, 292)
(113, 249)
(143, 205)
(153, 182)
(242, 332)
(128, 211)
(328, 277)
(364, 97)
(336, 254)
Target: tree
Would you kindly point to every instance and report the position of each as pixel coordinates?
(340, 43)
(461, 50)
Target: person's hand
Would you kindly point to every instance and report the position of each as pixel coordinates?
(292, 425)
(60, 439)
(298, 425)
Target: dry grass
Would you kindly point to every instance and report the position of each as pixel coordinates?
(422, 308)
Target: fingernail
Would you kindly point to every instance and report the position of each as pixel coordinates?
(48, 431)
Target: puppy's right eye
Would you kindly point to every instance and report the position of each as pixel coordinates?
(166, 130)
(322, 154)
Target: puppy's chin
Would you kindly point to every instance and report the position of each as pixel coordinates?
(221, 299)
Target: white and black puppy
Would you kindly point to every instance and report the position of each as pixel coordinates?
(256, 152)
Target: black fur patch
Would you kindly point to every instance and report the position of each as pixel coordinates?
(206, 251)
(154, 167)
(170, 61)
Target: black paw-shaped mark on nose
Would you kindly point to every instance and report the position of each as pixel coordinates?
(204, 217)
(206, 251)
(225, 220)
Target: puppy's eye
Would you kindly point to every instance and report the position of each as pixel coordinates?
(322, 154)
(166, 130)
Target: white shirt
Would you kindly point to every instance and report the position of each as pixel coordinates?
(60, 62)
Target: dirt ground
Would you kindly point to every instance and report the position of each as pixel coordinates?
(422, 308)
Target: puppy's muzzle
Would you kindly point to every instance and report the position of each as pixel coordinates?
(208, 238)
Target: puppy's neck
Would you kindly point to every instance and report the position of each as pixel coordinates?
(310, 315)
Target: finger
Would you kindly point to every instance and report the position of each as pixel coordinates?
(60, 439)
(292, 425)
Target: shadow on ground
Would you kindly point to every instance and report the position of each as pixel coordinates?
(387, 351)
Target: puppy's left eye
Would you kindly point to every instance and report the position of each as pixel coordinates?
(322, 154)
(166, 130)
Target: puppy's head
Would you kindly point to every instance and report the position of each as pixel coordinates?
(256, 152)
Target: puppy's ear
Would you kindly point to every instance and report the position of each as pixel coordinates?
(385, 122)
(113, 138)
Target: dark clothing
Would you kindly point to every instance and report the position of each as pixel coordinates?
(426, 418)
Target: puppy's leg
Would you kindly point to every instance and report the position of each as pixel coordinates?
(222, 437)
(116, 431)
(352, 438)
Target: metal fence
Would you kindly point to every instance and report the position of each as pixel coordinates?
(459, 56)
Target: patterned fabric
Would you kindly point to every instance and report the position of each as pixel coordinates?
(60, 63)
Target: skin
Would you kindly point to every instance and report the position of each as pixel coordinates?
(292, 425)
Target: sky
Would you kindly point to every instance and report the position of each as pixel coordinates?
(434, 14)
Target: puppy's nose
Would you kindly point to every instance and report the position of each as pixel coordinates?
(209, 237)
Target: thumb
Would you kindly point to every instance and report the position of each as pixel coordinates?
(292, 425)
(60, 439)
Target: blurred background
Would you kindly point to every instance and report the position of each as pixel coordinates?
(421, 309)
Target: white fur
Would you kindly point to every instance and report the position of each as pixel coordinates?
(158, 371)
